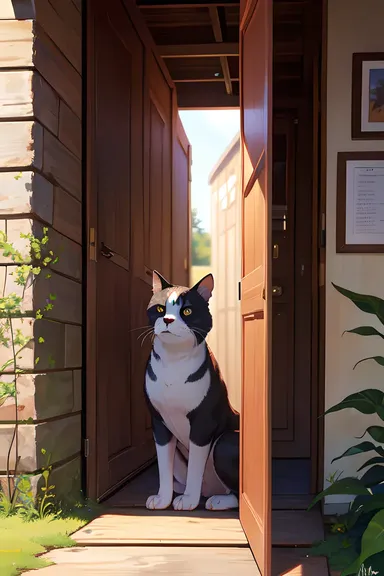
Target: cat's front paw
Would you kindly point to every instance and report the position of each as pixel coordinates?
(186, 502)
(158, 502)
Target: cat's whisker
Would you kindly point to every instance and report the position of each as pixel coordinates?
(146, 336)
(139, 328)
(145, 332)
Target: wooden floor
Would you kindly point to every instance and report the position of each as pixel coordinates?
(128, 539)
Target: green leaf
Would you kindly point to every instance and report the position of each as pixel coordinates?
(350, 486)
(365, 331)
(366, 303)
(368, 401)
(372, 541)
(360, 449)
(37, 360)
(41, 340)
(378, 359)
(377, 433)
(373, 476)
(371, 461)
(367, 504)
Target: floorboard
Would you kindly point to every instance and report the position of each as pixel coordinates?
(140, 526)
(296, 527)
(295, 562)
(150, 561)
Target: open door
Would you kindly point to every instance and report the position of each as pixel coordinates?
(256, 127)
(181, 194)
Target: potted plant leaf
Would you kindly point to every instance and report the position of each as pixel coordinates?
(356, 543)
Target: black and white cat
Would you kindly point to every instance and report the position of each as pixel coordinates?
(196, 430)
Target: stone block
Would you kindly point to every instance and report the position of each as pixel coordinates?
(57, 70)
(43, 396)
(70, 129)
(16, 43)
(60, 438)
(21, 145)
(67, 215)
(68, 303)
(65, 478)
(77, 390)
(73, 350)
(50, 345)
(28, 193)
(17, 9)
(69, 254)
(61, 166)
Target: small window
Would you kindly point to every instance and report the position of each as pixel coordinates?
(223, 196)
(232, 188)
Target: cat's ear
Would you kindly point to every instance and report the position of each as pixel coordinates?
(205, 287)
(159, 283)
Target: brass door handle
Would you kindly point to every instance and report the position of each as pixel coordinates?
(277, 290)
(106, 252)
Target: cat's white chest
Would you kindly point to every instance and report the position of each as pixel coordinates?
(173, 396)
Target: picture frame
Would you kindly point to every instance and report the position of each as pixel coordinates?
(368, 96)
(360, 203)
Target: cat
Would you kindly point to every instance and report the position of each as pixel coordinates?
(196, 430)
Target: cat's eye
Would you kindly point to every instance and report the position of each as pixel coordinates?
(160, 309)
(187, 311)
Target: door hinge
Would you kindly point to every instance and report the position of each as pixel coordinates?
(92, 245)
(86, 447)
(239, 290)
(185, 263)
(322, 231)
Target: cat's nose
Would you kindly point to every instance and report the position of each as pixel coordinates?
(168, 320)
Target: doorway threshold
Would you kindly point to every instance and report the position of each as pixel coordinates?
(172, 541)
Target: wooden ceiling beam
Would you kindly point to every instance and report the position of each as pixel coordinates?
(199, 50)
(148, 4)
(200, 80)
(218, 35)
(202, 95)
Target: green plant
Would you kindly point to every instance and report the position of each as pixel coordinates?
(356, 543)
(27, 268)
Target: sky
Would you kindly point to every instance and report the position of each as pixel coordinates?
(209, 133)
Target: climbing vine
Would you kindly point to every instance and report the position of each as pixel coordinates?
(27, 268)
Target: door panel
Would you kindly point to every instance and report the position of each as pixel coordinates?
(283, 265)
(256, 115)
(181, 218)
(118, 61)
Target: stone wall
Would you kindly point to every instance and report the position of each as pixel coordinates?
(40, 143)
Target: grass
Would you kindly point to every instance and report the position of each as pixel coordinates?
(22, 542)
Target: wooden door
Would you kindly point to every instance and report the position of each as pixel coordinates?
(256, 117)
(181, 212)
(291, 301)
(121, 443)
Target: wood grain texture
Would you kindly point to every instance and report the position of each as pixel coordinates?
(21, 144)
(60, 166)
(67, 214)
(151, 561)
(134, 526)
(295, 562)
(16, 43)
(70, 129)
(24, 94)
(291, 502)
(296, 527)
(57, 70)
(67, 40)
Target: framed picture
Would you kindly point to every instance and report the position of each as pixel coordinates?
(360, 202)
(368, 96)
